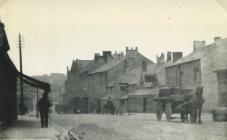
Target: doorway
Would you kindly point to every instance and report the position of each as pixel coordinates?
(144, 104)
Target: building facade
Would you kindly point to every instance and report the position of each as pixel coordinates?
(98, 78)
(202, 68)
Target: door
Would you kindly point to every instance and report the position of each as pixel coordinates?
(222, 92)
(144, 105)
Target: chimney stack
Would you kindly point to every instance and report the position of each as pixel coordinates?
(131, 52)
(169, 56)
(97, 57)
(217, 40)
(107, 55)
(160, 59)
(198, 45)
(177, 55)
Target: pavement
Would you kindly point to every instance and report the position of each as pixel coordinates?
(28, 128)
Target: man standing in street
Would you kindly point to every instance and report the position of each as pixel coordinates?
(43, 107)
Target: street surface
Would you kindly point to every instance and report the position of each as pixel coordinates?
(139, 127)
(28, 128)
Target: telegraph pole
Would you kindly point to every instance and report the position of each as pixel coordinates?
(37, 100)
(22, 107)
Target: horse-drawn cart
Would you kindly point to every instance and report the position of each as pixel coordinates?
(175, 100)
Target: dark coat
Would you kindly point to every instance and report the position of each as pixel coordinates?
(44, 105)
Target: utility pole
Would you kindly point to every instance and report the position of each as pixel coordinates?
(22, 107)
(37, 100)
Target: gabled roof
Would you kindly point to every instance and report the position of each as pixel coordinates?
(145, 58)
(131, 77)
(81, 63)
(196, 55)
(108, 66)
(4, 44)
(92, 65)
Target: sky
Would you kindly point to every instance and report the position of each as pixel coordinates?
(55, 32)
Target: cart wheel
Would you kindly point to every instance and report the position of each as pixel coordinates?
(168, 111)
(214, 116)
(182, 117)
(159, 110)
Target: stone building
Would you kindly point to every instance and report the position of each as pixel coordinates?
(76, 84)
(142, 84)
(203, 67)
(88, 81)
(138, 86)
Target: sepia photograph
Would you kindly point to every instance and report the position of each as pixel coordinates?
(113, 70)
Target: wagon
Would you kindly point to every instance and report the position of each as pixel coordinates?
(173, 100)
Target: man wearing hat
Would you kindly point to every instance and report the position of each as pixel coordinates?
(43, 107)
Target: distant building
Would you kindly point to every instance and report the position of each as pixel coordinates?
(206, 67)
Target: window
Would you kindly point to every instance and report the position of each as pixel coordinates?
(124, 88)
(222, 92)
(196, 74)
(144, 66)
(148, 79)
(122, 102)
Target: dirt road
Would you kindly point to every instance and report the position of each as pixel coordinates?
(140, 127)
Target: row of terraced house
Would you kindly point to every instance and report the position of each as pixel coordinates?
(131, 80)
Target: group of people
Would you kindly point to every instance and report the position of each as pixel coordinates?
(109, 107)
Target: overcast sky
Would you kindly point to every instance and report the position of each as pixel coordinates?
(57, 31)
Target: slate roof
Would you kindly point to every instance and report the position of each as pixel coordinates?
(92, 65)
(108, 66)
(82, 64)
(131, 77)
(196, 55)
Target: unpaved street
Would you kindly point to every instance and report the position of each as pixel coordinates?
(139, 127)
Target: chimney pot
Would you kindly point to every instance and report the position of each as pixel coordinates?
(177, 55)
(217, 38)
(126, 48)
(169, 56)
(197, 45)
